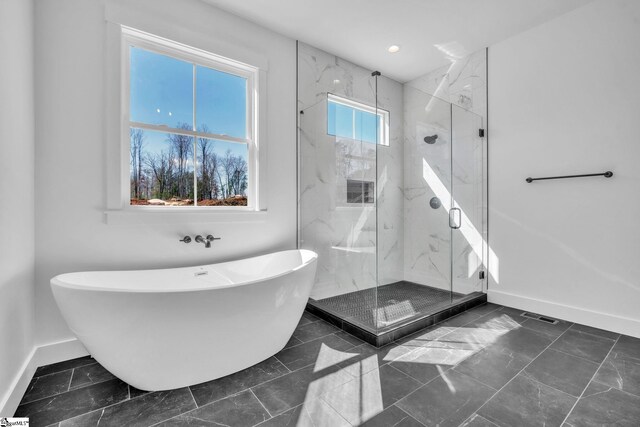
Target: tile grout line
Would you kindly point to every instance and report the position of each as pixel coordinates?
(615, 388)
(193, 398)
(454, 328)
(519, 372)
(595, 335)
(66, 391)
(453, 368)
(312, 363)
(478, 415)
(247, 388)
(261, 404)
(63, 370)
(172, 418)
(281, 413)
(573, 355)
(194, 409)
(404, 373)
(405, 412)
(99, 409)
(73, 371)
(37, 378)
(127, 400)
(551, 387)
(590, 381)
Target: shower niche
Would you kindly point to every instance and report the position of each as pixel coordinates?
(391, 195)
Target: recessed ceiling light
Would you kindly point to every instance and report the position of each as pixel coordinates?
(336, 82)
(394, 48)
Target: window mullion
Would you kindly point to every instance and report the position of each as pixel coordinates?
(161, 128)
(353, 124)
(195, 143)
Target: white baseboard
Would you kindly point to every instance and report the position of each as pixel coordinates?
(610, 322)
(17, 388)
(45, 354)
(60, 351)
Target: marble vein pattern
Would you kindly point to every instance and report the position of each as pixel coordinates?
(359, 244)
(398, 236)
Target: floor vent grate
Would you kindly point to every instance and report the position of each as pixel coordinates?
(539, 317)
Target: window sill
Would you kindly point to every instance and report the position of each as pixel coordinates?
(159, 215)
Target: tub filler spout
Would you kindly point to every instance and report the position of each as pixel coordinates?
(206, 240)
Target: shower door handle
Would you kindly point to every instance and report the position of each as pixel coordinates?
(455, 218)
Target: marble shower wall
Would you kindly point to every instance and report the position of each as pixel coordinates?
(413, 241)
(344, 234)
(462, 83)
(430, 172)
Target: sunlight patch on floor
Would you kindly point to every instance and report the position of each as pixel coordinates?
(439, 353)
(328, 357)
(359, 400)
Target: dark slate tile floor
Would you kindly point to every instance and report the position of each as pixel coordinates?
(486, 367)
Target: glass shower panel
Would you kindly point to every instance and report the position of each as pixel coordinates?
(337, 201)
(467, 184)
(422, 231)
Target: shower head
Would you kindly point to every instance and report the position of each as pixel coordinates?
(431, 139)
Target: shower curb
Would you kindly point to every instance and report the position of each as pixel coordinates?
(390, 334)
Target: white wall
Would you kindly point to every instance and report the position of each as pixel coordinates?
(71, 170)
(17, 192)
(563, 99)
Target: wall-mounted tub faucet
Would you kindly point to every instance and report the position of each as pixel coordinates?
(206, 240)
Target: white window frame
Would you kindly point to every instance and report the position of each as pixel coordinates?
(139, 39)
(383, 116)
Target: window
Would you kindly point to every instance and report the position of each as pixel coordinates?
(353, 120)
(190, 123)
(360, 191)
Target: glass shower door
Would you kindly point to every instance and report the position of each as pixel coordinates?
(467, 204)
(414, 227)
(336, 197)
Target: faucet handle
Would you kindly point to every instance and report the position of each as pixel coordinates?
(185, 239)
(210, 238)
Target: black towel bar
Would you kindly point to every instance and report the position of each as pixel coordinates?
(607, 174)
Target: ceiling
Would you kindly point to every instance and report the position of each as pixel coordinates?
(429, 32)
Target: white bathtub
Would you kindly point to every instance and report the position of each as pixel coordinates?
(164, 329)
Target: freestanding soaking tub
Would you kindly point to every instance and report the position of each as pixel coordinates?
(164, 329)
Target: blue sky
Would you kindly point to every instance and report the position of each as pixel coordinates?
(342, 122)
(162, 94)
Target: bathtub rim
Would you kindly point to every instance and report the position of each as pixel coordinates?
(59, 281)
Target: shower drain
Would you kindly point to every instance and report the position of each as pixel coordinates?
(538, 317)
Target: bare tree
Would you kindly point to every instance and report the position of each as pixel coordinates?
(238, 175)
(161, 167)
(232, 174)
(227, 165)
(205, 152)
(136, 149)
(182, 149)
